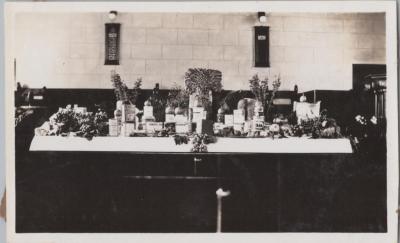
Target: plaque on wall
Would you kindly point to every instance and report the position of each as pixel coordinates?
(112, 43)
(261, 46)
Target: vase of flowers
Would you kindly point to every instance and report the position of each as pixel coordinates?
(201, 83)
(263, 95)
(123, 94)
(126, 98)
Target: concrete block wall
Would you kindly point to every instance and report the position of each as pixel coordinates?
(314, 51)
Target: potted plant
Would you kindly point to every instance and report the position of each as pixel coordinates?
(201, 83)
(177, 99)
(123, 94)
(120, 89)
(126, 98)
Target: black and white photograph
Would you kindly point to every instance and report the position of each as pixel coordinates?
(215, 118)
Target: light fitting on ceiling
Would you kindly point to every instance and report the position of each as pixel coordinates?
(112, 15)
(262, 17)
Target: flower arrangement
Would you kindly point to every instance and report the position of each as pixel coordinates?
(200, 142)
(120, 88)
(367, 132)
(325, 128)
(81, 124)
(178, 97)
(261, 90)
(65, 119)
(86, 125)
(202, 81)
(319, 127)
(122, 91)
(101, 122)
(362, 121)
(274, 130)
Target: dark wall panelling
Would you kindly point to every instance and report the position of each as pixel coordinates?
(98, 192)
(339, 104)
(106, 98)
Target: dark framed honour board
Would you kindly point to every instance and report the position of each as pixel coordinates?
(112, 40)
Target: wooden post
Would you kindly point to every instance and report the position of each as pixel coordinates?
(220, 194)
(315, 96)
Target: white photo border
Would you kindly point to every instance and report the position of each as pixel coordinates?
(389, 7)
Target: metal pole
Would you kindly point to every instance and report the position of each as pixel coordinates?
(220, 194)
(219, 214)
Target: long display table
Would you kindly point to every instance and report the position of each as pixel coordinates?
(167, 144)
(149, 184)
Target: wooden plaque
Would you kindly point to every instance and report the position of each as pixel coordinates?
(261, 46)
(112, 43)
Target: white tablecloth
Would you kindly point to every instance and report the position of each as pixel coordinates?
(167, 144)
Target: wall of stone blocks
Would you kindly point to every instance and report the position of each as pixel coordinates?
(314, 51)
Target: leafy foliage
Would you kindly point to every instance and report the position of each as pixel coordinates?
(261, 90)
(200, 142)
(101, 122)
(67, 120)
(201, 81)
(83, 124)
(121, 90)
(178, 97)
(320, 127)
(135, 92)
